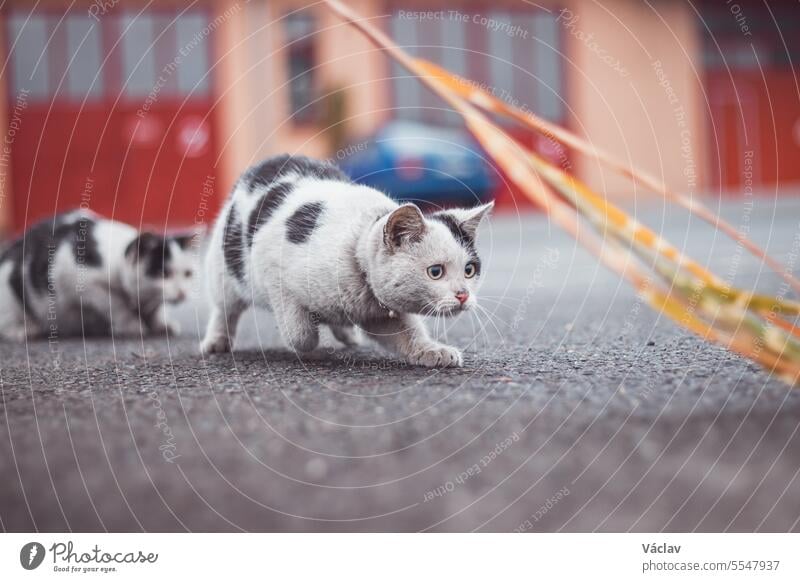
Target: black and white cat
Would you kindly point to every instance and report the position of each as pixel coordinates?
(77, 274)
(298, 237)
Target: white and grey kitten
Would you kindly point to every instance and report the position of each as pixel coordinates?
(77, 274)
(298, 237)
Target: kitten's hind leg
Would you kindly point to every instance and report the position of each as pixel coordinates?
(298, 326)
(345, 334)
(227, 303)
(22, 332)
(221, 329)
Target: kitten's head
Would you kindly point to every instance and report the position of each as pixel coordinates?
(159, 267)
(428, 264)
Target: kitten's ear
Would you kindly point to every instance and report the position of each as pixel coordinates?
(185, 239)
(142, 246)
(472, 218)
(404, 225)
(190, 237)
(467, 219)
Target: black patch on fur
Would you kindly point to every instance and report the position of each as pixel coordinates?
(33, 253)
(95, 323)
(272, 169)
(39, 259)
(266, 207)
(153, 250)
(158, 260)
(302, 223)
(462, 237)
(455, 229)
(232, 248)
(14, 255)
(40, 245)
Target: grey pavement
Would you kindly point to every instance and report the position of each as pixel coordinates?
(579, 409)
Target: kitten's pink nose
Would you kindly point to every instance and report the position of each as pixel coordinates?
(462, 297)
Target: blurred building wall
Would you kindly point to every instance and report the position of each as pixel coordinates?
(251, 66)
(288, 76)
(626, 70)
(652, 115)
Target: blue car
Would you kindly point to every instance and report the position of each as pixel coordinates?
(422, 164)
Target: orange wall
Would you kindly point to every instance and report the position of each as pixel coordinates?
(632, 115)
(252, 76)
(652, 116)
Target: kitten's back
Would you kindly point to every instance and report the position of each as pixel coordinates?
(295, 220)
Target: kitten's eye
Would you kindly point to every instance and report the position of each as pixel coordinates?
(436, 271)
(188, 273)
(470, 270)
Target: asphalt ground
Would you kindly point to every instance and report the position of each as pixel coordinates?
(578, 409)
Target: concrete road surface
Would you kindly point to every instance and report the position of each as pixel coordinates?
(578, 409)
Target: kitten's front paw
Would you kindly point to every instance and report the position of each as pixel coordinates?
(215, 345)
(19, 334)
(437, 356)
(346, 335)
(128, 329)
(166, 327)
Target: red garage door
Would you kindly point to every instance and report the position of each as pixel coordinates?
(111, 113)
(753, 93)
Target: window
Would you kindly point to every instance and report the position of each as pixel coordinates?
(165, 55)
(300, 49)
(28, 37)
(745, 39)
(512, 53)
(192, 37)
(138, 56)
(84, 53)
(65, 57)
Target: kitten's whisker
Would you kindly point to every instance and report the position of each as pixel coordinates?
(426, 310)
(475, 333)
(518, 299)
(472, 325)
(481, 331)
(443, 332)
(498, 305)
(495, 316)
(489, 317)
(439, 319)
(482, 328)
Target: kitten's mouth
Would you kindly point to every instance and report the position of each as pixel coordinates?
(445, 308)
(451, 310)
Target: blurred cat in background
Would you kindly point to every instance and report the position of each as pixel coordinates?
(78, 274)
